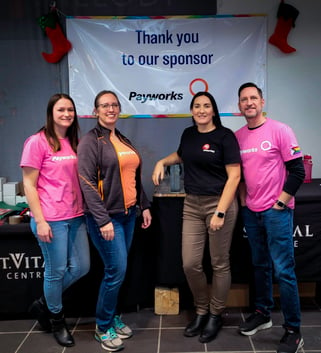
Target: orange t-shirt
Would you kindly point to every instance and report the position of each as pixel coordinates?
(128, 162)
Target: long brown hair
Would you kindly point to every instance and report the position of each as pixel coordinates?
(49, 130)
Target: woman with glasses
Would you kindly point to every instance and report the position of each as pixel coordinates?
(110, 178)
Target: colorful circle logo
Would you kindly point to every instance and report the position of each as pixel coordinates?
(195, 81)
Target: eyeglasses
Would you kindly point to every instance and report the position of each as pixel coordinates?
(107, 106)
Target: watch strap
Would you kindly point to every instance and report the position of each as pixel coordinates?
(219, 214)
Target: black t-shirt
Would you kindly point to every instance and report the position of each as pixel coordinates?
(204, 156)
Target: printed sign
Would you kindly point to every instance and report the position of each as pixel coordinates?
(156, 65)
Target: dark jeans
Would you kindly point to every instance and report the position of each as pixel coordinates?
(270, 234)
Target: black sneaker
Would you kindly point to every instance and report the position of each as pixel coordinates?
(291, 342)
(255, 322)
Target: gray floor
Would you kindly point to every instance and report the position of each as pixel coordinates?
(160, 334)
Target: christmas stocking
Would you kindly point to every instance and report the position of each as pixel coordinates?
(60, 44)
(287, 14)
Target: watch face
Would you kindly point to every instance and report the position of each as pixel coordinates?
(220, 214)
(281, 204)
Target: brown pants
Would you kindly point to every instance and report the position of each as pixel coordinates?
(197, 213)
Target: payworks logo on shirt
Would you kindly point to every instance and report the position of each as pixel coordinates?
(206, 148)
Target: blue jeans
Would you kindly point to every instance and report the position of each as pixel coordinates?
(66, 258)
(270, 234)
(114, 254)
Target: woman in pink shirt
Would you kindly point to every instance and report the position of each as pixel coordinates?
(50, 178)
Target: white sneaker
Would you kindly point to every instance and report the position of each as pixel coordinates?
(123, 331)
(109, 340)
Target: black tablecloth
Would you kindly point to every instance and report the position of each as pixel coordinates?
(307, 232)
(22, 266)
(306, 237)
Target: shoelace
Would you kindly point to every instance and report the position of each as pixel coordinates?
(118, 322)
(252, 316)
(110, 334)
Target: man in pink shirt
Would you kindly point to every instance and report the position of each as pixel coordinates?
(272, 173)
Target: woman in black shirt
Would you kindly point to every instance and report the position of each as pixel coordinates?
(211, 158)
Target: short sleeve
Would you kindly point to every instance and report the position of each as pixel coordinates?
(33, 152)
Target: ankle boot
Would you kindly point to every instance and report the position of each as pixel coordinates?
(60, 330)
(40, 310)
(195, 327)
(211, 329)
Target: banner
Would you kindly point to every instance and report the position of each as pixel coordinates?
(156, 65)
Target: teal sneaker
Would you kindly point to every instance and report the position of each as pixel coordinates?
(123, 331)
(109, 340)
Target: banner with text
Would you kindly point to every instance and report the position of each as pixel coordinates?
(156, 65)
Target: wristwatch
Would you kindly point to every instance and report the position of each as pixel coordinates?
(281, 204)
(219, 214)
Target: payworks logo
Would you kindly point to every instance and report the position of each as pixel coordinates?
(144, 97)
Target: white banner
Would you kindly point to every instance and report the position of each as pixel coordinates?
(156, 65)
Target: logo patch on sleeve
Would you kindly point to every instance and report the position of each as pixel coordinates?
(295, 150)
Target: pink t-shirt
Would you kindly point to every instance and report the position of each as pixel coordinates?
(264, 151)
(58, 185)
